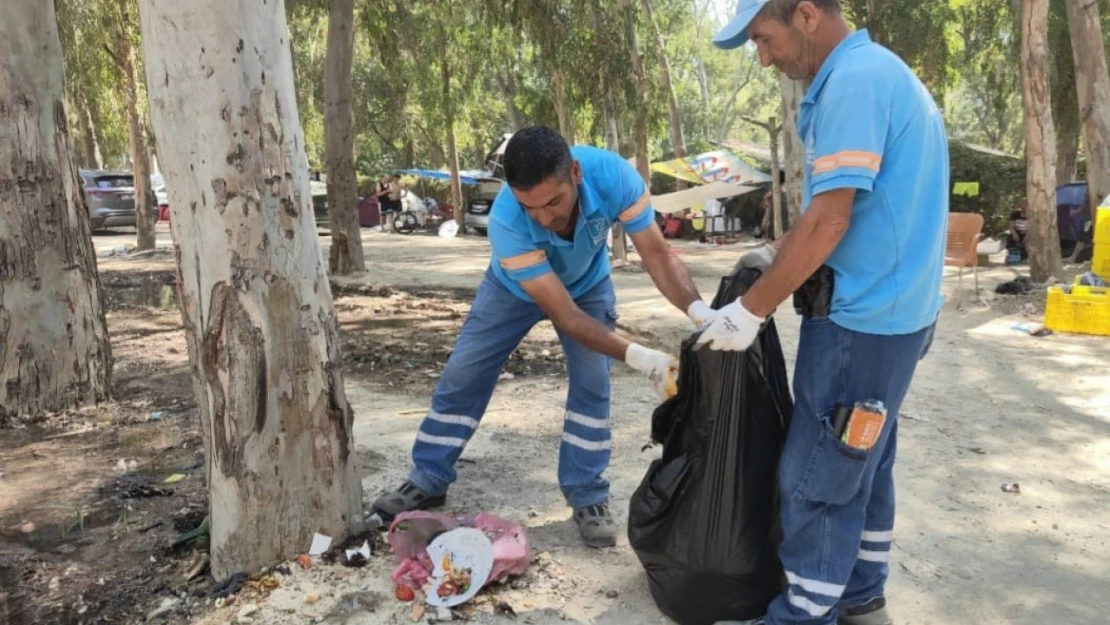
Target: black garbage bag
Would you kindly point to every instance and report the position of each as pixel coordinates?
(705, 520)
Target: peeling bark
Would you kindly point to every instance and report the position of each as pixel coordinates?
(255, 301)
(1043, 241)
(54, 351)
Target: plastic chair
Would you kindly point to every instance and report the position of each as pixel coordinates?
(964, 232)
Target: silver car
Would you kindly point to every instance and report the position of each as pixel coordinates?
(481, 203)
(111, 198)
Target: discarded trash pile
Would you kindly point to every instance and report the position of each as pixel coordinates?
(447, 561)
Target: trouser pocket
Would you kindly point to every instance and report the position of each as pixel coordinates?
(834, 472)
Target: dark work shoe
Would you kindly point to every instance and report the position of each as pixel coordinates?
(871, 613)
(405, 499)
(597, 525)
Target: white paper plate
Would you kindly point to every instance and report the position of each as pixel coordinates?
(462, 549)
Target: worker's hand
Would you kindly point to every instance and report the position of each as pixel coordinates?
(734, 329)
(660, 367)
(760, 258)
(700, 313)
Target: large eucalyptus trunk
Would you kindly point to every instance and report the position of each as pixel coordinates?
(255, 301)
(1093, 87)
(1043, 242)
(339, 138)
(54, 351)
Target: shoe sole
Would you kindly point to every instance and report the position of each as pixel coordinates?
(600, 543)
(427, 504)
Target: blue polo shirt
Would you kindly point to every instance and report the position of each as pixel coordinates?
(869, 124)
(611, 190)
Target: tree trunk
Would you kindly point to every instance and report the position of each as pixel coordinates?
(449, 130)
(54, 351)
(91, 157)
(874, 22)
(1043, 241)
(339, 137)
(255, 300)
(643, 159)
(794, 151)
(566, 119)
(678, 141)
(781, 220)
(1093, 88)
(1065, 103)
(140, 158)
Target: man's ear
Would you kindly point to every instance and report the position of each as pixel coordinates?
(807, 17)
(576, 173)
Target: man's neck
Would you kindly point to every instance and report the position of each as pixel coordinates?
(834, 33)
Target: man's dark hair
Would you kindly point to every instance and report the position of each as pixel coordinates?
(535, 154)
(783, 10)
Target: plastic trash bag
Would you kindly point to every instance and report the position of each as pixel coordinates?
(705, 520)
(412, 532)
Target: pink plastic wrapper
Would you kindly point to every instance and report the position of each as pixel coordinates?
(412, 532)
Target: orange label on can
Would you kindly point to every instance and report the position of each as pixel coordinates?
(864, 428)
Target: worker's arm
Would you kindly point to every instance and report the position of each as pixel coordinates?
(554, 300)
(810, 242)
(667, 272)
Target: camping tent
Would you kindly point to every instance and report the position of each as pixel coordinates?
(469, 178)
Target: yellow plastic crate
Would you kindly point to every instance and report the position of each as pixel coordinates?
(1086, 310)
(1100, 264)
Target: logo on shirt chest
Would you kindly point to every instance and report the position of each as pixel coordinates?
(598, 228)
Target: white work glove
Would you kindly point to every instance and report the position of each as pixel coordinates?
(760, 258)
(700, 313)
(661, 368)
(734, 329)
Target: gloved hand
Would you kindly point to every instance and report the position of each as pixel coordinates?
(734, 329)
(760, 258)
(660, 367)
(700, 313)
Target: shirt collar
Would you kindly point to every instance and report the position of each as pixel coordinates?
(855, 40)
(588, 204)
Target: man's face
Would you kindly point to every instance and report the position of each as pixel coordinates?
(786, 46)
(551, 203)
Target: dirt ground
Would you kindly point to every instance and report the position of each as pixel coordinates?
(83, 541)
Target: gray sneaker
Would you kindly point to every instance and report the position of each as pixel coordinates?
(405, 499)
(597, 525)
(871, 613)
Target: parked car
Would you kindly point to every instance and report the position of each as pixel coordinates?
(111, 198)
(481, 203)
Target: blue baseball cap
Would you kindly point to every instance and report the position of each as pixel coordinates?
(735, 34)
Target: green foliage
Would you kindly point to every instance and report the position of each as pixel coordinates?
(1001, 185)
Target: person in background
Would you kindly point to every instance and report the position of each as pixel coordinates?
(1019, 229)
(386, 206)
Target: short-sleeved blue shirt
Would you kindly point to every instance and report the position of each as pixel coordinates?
(611, 190)
(869, 124)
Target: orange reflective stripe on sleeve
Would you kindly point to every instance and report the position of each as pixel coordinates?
(849, 158)
(636, 209)
(524, 261)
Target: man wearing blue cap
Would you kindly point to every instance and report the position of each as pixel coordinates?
(875, 211)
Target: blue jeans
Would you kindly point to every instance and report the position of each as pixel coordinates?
(498, 321)
(837, 501)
